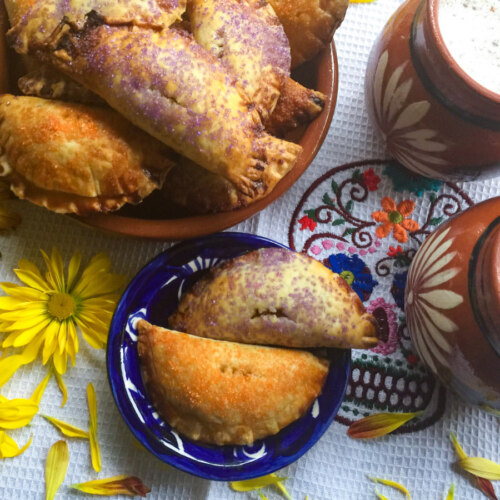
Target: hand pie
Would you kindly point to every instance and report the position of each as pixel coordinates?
(34, 20)
(248, 38)
(73, 158)
(278, 297)
(309, 24)
(179, 93)
(226, 393)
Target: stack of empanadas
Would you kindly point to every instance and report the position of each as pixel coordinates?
(225, 389)
(208, 81)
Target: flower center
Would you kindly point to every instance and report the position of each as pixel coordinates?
(395, 217)
(61, 306)
(348, 276)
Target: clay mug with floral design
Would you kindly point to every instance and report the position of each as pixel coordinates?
(452, 303)
(436, 120)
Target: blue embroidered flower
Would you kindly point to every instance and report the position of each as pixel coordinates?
(355, 272)
(405, 180)
(398, 288)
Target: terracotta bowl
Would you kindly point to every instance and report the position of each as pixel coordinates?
(154, 218)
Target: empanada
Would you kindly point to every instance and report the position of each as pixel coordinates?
(74, 158)
(248, 38)
(224, 392)
(309, 24)
(278, 297)
(178, 92)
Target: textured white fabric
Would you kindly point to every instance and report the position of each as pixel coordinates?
(334, 469)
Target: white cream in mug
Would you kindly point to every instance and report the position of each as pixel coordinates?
(471, 32)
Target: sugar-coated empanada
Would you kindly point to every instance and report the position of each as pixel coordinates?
(279, 297)
(35, 19)
(73, 158)
(247, 36)
(224, 392)
(309, 24)
(178, 92)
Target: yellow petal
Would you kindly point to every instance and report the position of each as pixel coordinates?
(54, 265)
(9, 448)
(60, 361)
(22, 292)
(36, 397)
(50, 344)
(73, 268)
(263, 497)
(481, 467)
(56, 466)
(32, 279)
(451, 492)
(379, 495)
(16, 413)
(9, 365)
(62, 388)
(28, 334)
(458, 449)
(94, 444)
(491, 410)
(67, 429)
(117, 485)
(392, 484)
(379, 424)
(260, 482)
(27, 265)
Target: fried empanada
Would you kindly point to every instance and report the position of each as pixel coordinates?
(72, 158)
(178, 92)
(223, 392)
(34, 20)
(309, 24)
(247, 36)
(277, 297)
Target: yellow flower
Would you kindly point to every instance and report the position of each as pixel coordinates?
(43, 316)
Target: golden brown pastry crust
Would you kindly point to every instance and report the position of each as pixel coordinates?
(179, 93)
(247, 36)
(309, 24)
(275, 296)
(224, 392)
(74, 158)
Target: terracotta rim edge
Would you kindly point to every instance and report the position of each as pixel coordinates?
(188, 227)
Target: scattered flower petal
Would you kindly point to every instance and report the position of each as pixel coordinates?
(379, 424)
(263, 497)
(67, 429)
(481, 467)
(94, 444)
(36, 397)
(116, 485)
(62, 388)
(56, 467)
(379, 495)
(260, 482)
(484, 485)
(392, 484)
(9, 448)
(16, 413)
(451, 492)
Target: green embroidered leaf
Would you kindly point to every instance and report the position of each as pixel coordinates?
(356, 175)
(432, 197)
(311, 214)
(349, 205)
(349, 231)
(435, 221)
(335, 187)
(327, 200)
(338, 222)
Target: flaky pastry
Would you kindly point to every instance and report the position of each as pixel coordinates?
(224, 392)
(277, 297)
(75, 158)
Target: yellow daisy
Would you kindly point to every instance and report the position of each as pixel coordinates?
(43, 316)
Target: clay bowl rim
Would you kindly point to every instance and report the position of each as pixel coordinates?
(201, 225)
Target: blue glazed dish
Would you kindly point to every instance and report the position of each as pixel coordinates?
(153, 295)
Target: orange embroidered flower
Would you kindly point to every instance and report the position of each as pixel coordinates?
(395, 218)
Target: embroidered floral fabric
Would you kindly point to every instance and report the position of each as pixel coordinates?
(362, 217)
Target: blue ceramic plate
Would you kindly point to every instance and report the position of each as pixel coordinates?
(154, 294)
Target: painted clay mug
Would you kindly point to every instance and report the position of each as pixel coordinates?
(435, 119)
(452, 303)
